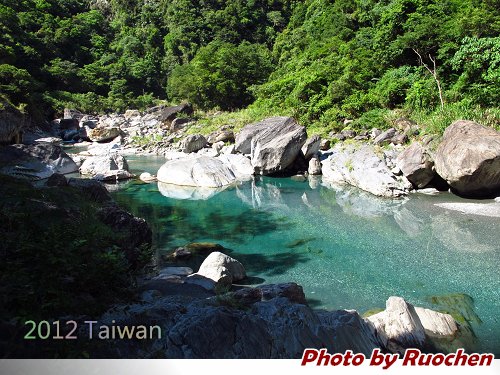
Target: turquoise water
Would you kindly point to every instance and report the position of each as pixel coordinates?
(348, 249)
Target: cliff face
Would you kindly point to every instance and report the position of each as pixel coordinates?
(12, 123)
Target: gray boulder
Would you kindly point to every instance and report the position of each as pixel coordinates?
(385, 137)
(417, 165)
(311, 147)
(166, 114)
(468, 158)
(37, 161)
(103, 134)
(364, 168)
(314, 166)
(221, 136)
(202, 171)
(111, 167)
(243, 140)
(193, 143)
(275, 144)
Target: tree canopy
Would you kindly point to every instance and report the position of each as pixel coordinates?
(320, 60)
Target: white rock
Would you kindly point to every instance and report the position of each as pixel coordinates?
(436, 323)
(147, 177)
(314, 167)
(239, 164)
(222, 269)
(364, 168)
(106, 168)
(399, 324)
(200, 171)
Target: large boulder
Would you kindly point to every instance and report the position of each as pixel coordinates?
(275, 143)
(202, 171)
(106, 168)
(417, 165)
(468, 158)
(364, 168)
(37, 161)
(244, 138)
(193, 143)
(386, 136)
(102, 134)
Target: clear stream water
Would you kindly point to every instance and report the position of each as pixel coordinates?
(348, 249)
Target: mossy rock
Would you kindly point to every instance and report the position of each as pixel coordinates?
(458, 305)
(373, 311)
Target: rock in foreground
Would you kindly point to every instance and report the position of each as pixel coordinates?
(37, 161)
(468, 158)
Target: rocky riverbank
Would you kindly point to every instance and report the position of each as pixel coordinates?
(207, 314)
(465, 160)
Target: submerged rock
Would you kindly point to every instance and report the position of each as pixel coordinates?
(468, 158)
(147, 177)
(188, 192)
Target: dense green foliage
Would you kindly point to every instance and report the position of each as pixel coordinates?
(342, 59)
(57, 255)
(113, 54)
(319, 60)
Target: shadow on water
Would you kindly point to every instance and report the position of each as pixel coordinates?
(314, 303)
(271, 265)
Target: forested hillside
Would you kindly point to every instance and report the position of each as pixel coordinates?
(319, 60)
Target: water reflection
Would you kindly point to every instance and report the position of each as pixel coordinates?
(188, 192)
